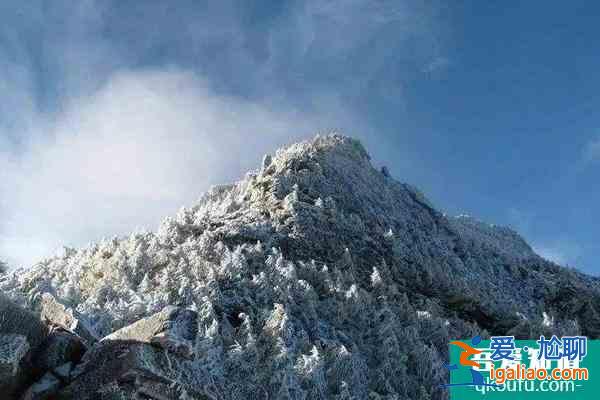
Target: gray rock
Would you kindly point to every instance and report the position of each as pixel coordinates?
(13, 349)
(60, 347)
(17, 320)
(57, 314)
(44, 389)
(174, 329)
(160, 389)
(129, 369)
(63, 372)
(20, 333)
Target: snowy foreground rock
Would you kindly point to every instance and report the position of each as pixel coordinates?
(41, 361)
(315, 277)
(173, 328)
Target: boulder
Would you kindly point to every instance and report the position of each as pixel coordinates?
(13, 352)
(63, 372)
(60, 347)
(55, 313)
(130, 369)
(21, 332)
(44, 389)
(150, 359)
(173, 329)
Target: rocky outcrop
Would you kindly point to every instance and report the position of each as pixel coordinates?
(129, 369)
(61, 348)
(21, 333)
(57, 314)
(44, 389)
(174, 329)
(152, 359)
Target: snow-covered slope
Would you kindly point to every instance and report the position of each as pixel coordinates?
(318, 276)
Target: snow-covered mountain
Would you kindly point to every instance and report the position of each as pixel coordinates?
(319, 277)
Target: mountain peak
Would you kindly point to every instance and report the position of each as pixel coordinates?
(309, 264)
(324, 195)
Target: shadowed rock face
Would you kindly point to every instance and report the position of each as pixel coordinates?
(59, 348)
(317, 276)
(57, 314)
(34, 356)
(43, 362)
(21, 332)
(129, 368)
(43, 389)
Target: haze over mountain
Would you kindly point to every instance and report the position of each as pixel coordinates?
(318, 276)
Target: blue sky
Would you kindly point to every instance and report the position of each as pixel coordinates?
(486, 106)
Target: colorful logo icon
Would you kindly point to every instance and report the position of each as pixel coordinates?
(468, 351)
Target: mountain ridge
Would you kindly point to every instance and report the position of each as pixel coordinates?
(305, 267)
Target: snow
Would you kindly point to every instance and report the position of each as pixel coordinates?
(547, 320)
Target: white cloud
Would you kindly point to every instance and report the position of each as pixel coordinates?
(91, 146)
(132, 152)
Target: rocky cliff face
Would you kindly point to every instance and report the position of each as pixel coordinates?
(318, 276)
(46, 359)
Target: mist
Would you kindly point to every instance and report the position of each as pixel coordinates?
(107, 125)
